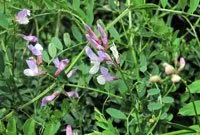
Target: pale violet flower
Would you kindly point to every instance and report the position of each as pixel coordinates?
(91, 34)
(22, 16)
(73, 71)
(69, 130)
(36, 50)
(94, 43)
(115, 53)
(95, 68)
(33, 69)
(182, 64)
(73, 94)
(60, 65)
(105, 76)
(30, 38)
(49, 98)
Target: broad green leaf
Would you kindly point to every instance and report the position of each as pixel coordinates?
(193, 5)
(182, 4)
(76, 33)
(29, 127)
(2, 64)
(153, 92)
(188, 109)
(143, 63)
(2, 128)
(76, 4)
(168, 100)
(11, 126)
(67, 39)
(114, 33)
(117, 114)
(164, 3)
(112, 4)
(154, 106)
(3, 21)
(51, 128)
(57, 43)
(89, 13)
(195, 87)
(45, 56)
(52, 50)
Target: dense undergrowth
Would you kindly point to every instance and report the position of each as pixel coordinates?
(138, 74)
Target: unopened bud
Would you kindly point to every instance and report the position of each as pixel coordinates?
(175, 78)
(182, 64)
(155, 79)
(169, 69)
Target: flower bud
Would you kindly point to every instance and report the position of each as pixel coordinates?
(155, 79)
(182, 64)
(175, 78)
(169, 69)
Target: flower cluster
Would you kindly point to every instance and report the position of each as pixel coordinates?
(101, 46)
(170, 70)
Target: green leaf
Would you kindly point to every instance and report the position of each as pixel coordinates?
(164, 3)
(76, 33)
(193, 5)
(153, 92)
(76, 4)
(89, 13)
(67, 39)
(154, 106)
(2, 128)
(11, 126)
(117, 114)
(2, 64)
(195, 87)
(52, 50)
(143, 63)
(188, 109)
(52, 128)
(57, 43)
(3, 21)
(114, 33)
(168, 100)
(182, 4)
(45, 56)
(29, 127)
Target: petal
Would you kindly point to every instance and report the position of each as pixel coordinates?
(56, 62)
(94, 43)
(47, 99)
(72, 94)
(115, 53)
(69, 130)
(92, 34)
(71, 73)
(91, 54)
(103, 36)
(32, 64)
(104, 71)
(30, 38)
(95, 68)
(39, 47)
(34, 50)
(101, 80)
(182, 64)
(63, 64)
(21, 17)
(29, 72)
(104, 56)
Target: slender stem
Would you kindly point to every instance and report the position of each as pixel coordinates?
(181, 126)
(93, 89)
(39, 96)
(154, 125)
(57, 25)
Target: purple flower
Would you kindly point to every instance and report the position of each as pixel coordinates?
(103, 36)
(33, 69)
(71, 73)
(94, 43)
(36, 50)
(49, 98)
(91, 34)
(69, 130)
(30, 38)
(72, 94)
(22, 16)
(60, 65)
(105, 76)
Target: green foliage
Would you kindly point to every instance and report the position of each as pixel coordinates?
(117, 114)
(188, 109)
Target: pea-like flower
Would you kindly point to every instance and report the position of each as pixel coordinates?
(30, 38)
(69, 130)
(60, 65)
(22, 16)
(33, 69)
(49, 98)
(115, 53)
(103, 36)
(36, 50)
(105, 76)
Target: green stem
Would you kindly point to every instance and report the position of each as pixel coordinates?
(154, 125)
(57, 25)
(39, 96)
(93, 89)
